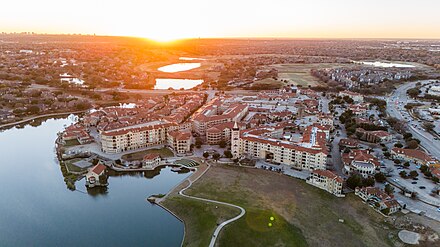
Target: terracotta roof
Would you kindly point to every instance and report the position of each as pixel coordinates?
(328, 174)
(99, 168)
(151, 156)
(417, 154)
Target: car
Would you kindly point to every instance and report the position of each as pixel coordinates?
(414, 182)
(422, 187)
(415, 179)
(438, 209)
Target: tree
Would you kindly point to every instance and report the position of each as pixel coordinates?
(407, 135)
(354, 181)
(389, 189)
(413, 174)
(412, 144)
(398, 145)
(33, 109)
(227, 154)
(397, 162)
(198, 142)
(222, 144)
(216, 156)
(403, 174)
(366, 182)
(435, 179)
(389, 170)
(428, 126)
(205, 155)
(380, 177)
(406, 164)
(387, 154)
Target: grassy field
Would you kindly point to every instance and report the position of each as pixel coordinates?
(299, 74)
(199, 229)
(302, 215)
(70, 143)
(163, 152)
(73, 168)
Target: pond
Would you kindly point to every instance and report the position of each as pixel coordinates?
(386, 64)
(179, 67)
(177, 83)
(37, 209)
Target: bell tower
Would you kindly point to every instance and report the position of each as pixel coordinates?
(235, 141)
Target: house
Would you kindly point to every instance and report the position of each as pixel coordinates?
(360, 161)
(373, 136)
(97, 176)
(151, 161)
(348, 143)
(327, 181)
(378, 199)
(412, 155)
(357, 97)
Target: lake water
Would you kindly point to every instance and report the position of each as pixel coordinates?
(176, 83)
(37, 209)
(387, 65)
(178, 67)
(190, 58)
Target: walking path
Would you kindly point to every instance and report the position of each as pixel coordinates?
(223, 224)
(40, 116)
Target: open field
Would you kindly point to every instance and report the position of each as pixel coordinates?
(199, 229)
(303, 215)
(299, 74)
(163, 152)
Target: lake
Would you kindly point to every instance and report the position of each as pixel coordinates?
(179, 67)
(37, 209)
(177, 83)
(386, 64)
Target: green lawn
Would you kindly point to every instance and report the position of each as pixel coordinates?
(303, 215)
(73, 168)
(199, 229)
(262, 228)
(71, 143)
(163, 152)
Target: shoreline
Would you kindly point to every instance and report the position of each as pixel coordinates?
(40, 116)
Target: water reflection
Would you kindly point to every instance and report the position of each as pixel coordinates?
(179, 67)
(176, 83)
(37, 209)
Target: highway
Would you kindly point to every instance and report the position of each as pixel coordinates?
(395, 108)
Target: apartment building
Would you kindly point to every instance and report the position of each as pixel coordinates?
(134, 137)
(179, 141)
(278, 151)
(215, 113)
(412, 155)
(326, 180)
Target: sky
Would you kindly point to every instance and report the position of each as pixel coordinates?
(174, 19)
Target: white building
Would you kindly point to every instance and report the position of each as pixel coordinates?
(327, 181)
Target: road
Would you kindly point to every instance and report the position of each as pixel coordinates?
(223, 224)
(211, 93)
(395, 108)
(40, 116)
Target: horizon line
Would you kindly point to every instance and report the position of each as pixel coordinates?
(225, 37)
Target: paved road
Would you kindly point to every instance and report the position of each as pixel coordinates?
(40, 116)
(219, 227)
(395, 103)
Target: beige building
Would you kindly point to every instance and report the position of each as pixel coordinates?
(151, 161)
(215, 113)
(221, 132)
(327, 181)
(179, 141)
(96, 176)
(278, 151)
(138, 136)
